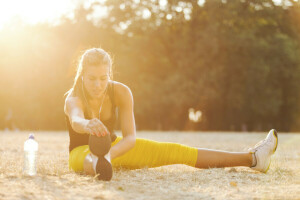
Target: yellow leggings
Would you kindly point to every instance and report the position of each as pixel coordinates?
(146, 153)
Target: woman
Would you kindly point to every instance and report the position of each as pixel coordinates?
(90, 108)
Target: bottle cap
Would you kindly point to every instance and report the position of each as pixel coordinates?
(31, 136)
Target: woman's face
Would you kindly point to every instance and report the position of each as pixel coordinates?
(95, 80)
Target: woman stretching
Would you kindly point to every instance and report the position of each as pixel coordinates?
(90, 108)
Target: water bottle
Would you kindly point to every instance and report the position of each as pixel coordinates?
(30, 156)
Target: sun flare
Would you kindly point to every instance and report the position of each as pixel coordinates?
(33, 11)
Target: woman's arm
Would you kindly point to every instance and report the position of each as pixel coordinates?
(125, 102)
(74, 110)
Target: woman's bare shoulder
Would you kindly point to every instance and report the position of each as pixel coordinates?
(70, 96)
(71, 102)
(122, 93)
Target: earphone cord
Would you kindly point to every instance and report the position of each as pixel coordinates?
(102, 101)
(87, 103)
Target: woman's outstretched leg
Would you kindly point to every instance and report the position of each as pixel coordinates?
(208, 158)
(259, 157)
(148, 153)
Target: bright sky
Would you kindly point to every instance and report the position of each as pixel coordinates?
(34, 11)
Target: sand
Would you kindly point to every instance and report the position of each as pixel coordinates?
(55, 181)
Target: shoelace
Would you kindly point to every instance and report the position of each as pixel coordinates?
(259, 145)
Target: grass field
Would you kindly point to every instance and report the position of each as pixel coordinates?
(55, 181)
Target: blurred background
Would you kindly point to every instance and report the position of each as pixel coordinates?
(230, 65)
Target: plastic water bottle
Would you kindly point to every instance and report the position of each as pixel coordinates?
(30, 156)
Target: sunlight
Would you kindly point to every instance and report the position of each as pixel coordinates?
(34, 11)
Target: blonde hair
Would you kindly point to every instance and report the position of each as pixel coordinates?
(91, 57)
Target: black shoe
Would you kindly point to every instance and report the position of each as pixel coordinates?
(100, 146)
(104, 169)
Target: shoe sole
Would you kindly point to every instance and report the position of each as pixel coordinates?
(276, 136)
(99, 146)
(104, 169)
(268, 167)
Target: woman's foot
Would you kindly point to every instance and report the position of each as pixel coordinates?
(104, 169)
(263, 151)
(99, 166)
(100, 154)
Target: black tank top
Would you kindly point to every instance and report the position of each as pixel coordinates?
(79, 139)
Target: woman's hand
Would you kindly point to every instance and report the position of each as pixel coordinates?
(96, 127)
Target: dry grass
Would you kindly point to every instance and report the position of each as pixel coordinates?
(55, 181)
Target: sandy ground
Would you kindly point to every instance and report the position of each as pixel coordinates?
(55, 181)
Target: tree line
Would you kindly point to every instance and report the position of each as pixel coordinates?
(236, 61)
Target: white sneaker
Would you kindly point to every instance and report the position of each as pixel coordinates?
(264, 150)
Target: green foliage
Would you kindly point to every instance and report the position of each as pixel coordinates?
(236, 61)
